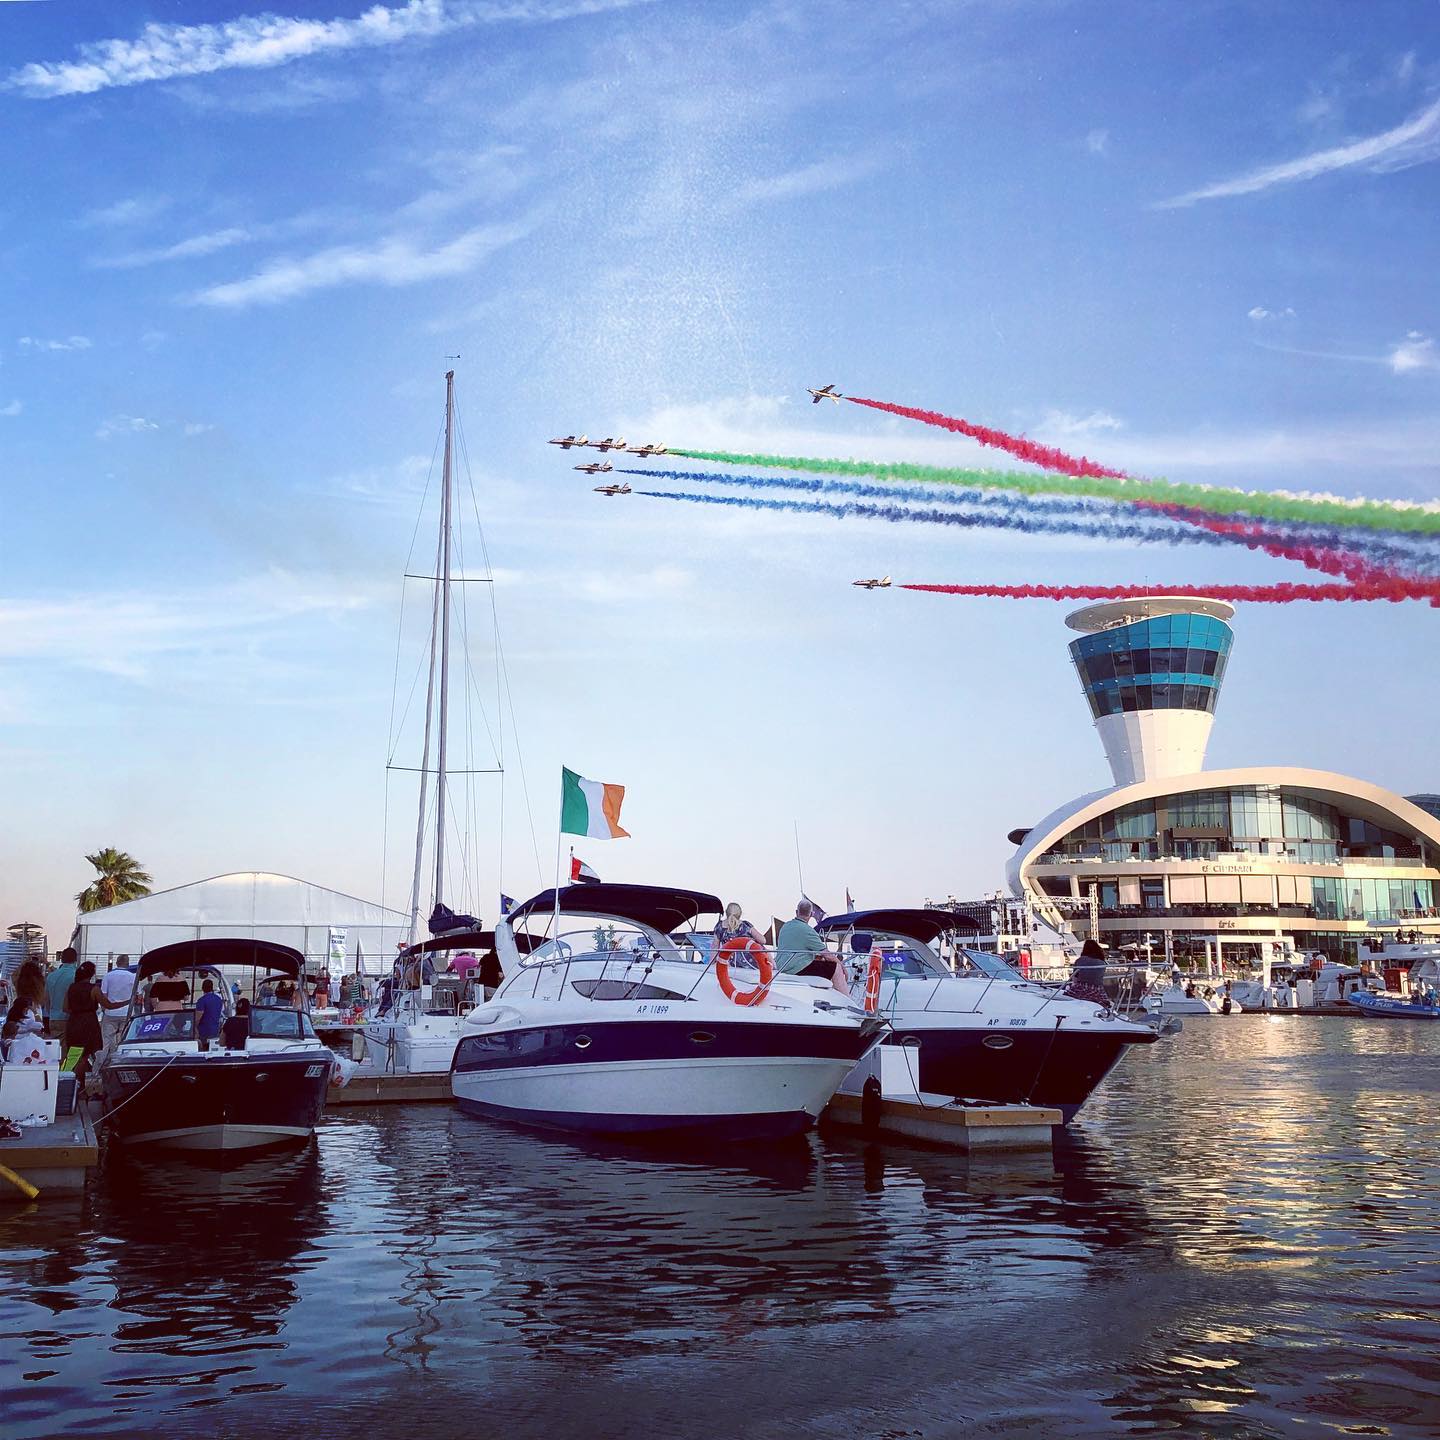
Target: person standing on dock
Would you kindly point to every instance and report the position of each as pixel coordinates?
(82, 1025)
(57, 986)
(116, 990)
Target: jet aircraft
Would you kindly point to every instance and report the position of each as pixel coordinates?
(595, 467)
(608, 443)
(612, 489)
(648, 450)
(566, 441)
(883, 584)
(825, 392)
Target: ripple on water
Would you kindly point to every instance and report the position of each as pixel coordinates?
(1237, 1240)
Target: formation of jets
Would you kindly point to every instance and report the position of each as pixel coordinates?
(596, 467)
(882, 584)
(610, 442)
(612, 489)
(825, 392)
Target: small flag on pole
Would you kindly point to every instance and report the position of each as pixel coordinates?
(580, 872)
(590, 808)
(816, 913)
(849, 903)
(507, 903)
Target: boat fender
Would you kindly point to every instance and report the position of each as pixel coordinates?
(871, 1098)
(744, 945)
(872, 983)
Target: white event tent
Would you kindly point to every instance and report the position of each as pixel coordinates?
(252, 905)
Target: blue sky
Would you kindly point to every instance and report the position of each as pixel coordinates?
(1194, 241)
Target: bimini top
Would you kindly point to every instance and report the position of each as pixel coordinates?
(222, 950)
(658, 906)
(922, 925)
(479, 941)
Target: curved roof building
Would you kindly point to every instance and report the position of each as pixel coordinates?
(1195, 859)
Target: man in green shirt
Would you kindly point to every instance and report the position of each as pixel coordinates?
(799, 950)
(57, 983)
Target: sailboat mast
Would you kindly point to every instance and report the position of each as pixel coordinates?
(425, 754)
(444, 636)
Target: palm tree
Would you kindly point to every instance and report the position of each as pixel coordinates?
(118, 877)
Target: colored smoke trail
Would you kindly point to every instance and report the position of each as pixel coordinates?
(1046, 456)
(1347, 514)
(1139, 534)
(906, 494)
(1395, 591)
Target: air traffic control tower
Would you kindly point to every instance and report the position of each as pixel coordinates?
(1151, 669)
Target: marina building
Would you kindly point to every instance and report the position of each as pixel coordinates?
(1208, 863)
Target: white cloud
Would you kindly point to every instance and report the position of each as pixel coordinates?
(125, 425)
(194, 427)
(1097, 142)
(1413, 143)
(188, 249)
(399, 260)
(137, 210)
(1259, 312)
(1064, 426)
(126, 633)
(807, 180)
(261, 42)
(12, 409)
(1414, 352)
(73, 342)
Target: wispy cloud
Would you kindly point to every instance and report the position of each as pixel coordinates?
(127, 634)
(261, 42)
(11, 410)
(1259, 313)
(813, 179)
(398, 260)
(136, 210)
(1062, 425)
(1097, 142)
(71, 342)
(188, 249)
(1414, 352)
(1413, 143)
(125, 425)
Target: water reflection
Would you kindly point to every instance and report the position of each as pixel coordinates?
(1233, 1243)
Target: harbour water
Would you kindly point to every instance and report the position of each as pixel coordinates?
(1239, 1238)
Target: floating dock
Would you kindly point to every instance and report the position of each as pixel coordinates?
(390, 1089)
(940, 1120)
(49, 1159)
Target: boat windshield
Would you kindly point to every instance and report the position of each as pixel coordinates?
(605, 938)
(279, 1023)
(991, 965)
(167, 1025)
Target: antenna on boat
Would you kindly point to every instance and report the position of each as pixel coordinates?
(446, 488)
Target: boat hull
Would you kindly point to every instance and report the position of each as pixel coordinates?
(214, 1104)
(718, 1079)
(1058, 1070)
(1381, 1007)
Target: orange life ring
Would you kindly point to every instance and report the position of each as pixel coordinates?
(872, 983)
(744, 945)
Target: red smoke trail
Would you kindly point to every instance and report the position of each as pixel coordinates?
(1395, 590)
(1045, 456)
(1256, 537)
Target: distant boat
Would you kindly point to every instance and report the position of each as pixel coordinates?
(1395, 1007)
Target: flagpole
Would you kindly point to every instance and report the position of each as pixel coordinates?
(559, 841)
(798, 871)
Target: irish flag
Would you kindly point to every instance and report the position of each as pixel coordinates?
(588, 807)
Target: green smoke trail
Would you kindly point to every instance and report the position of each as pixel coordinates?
(1365, 514)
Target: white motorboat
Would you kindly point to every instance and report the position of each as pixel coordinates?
(1186, 1000)
(612, 1027)
(983, 1032)
(264, 1084)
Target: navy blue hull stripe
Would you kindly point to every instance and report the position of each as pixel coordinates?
(613, 1041)
(714, 1127)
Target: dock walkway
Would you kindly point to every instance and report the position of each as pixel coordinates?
(51, 1159)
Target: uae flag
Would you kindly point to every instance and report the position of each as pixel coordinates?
(590, 808)
(580, 872)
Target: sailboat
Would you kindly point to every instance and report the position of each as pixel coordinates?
(413, 1024)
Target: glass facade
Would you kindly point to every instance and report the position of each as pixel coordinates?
(1169, 662)
(1244, 819)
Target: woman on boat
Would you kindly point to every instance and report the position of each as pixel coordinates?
(82, 1025)
(731, 926)
(169, 992)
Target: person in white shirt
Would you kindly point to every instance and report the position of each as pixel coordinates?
(115, 990)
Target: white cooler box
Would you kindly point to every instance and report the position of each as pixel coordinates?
(27, 1090)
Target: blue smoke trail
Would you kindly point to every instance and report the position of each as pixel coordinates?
(1141, 534)
(1412, 553)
